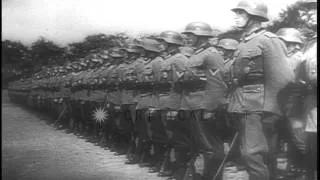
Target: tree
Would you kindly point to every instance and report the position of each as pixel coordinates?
(96, 42)
(15, 56)
(46, 52)
(14, 52)
(296, 16)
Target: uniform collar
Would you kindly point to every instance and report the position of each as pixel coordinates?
(167, 55)
(202, 47)
(252, 33)
(228, 60)
(173, 52)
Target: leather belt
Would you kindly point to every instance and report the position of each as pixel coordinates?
(246, 82)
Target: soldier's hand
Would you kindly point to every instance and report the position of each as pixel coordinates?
(226, 148)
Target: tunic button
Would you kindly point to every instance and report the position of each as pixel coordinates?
(246, 69)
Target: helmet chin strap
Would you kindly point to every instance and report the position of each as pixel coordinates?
(246, 25)
(199, 42)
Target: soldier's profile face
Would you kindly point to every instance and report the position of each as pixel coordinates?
(191, 39)
(293, 47)
(163, 44)
(241, 18)
(220, 50)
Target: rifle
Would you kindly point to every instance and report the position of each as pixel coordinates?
(235, 137)
(61, 114)
(165, 160)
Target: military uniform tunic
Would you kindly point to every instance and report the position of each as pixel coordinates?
(113, 95)
(260, 73)
(127, 84)
(149, 73)
(169, 92)
(208, 89)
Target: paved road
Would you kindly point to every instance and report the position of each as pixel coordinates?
(34, 150)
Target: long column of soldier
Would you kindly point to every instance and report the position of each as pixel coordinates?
(159, 81)
(162, 102)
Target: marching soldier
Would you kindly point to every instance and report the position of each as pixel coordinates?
(64, 99)
(86, 100)
(59, 104)
(97, 98)
(80, 95)
(168, 94)
(293, 97)
(306, 85)
(88, 105)
(148, 72)
(124, 122)
(203, 98)
(101, 115)
(74, 99)
(66, 94)
(226, 48)
(294, 43)
(260, 71)
(309, 76)
(114, 97)
(128, 100)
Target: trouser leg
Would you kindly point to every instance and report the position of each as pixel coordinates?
(253, 146)
(270, 129)
(312, 155)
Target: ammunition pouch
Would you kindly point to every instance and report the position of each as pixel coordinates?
(163, 88)
(193, 86)
(128, 85)
(145, 87)
(112, 87)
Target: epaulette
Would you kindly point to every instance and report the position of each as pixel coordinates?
(270, 34)
(212, 49)
(255, 34)
(167, 56)
(227, 60)
(199, 50)
(164, 55)
(178, 55)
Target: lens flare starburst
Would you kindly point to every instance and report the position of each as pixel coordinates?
(100, 115)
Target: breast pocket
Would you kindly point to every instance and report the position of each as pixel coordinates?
(248, 61)
(253, 97)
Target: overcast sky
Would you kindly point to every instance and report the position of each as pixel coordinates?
(65, 21)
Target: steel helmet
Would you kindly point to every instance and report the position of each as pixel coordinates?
(150, 45)
(116, 52)
(229, 44)
(290, 35)
(199, 29)
(171, 37)
(68, 67)
(104, 54)
(131, 46)
(132, 49)
(258, 9)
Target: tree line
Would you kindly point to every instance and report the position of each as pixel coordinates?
(19, 60)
